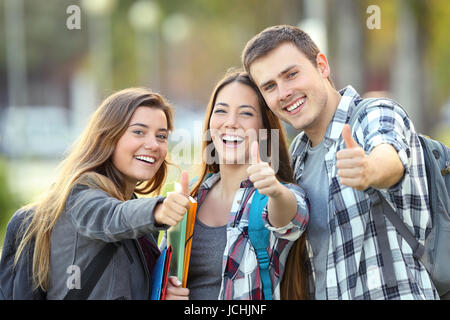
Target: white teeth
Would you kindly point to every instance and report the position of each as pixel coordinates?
(232, 138)
(296, 105)
(146, 159)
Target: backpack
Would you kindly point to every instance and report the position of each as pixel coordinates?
(16, 282)
(259, 238)
(435, 255)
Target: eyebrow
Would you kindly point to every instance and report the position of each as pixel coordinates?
(137, 124)
(286, 70)
(241, 106)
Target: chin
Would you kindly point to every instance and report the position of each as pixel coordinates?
(233, 160)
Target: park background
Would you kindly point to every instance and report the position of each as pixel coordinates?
(60, 58)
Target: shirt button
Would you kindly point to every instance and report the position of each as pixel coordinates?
(239, 202)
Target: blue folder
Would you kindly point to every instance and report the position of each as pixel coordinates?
(157, 280)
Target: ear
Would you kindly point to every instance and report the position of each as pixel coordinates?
(322, 65)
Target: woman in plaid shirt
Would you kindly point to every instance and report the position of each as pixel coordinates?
(224, 266)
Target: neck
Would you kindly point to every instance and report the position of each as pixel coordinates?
(316, 132)
(231, 177)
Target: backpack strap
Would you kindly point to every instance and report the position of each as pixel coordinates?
(93, 272)
(259, 237)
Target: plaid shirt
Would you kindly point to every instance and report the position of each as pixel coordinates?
(240, 272)
(354, 264)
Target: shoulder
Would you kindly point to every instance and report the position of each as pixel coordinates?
(16, 225)
(80, 191)
(371, 111)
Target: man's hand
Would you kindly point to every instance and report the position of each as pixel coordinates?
(175, 205)
(353, 164)
(262, 175)
(381, 169)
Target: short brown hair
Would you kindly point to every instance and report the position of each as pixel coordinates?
(271, 37)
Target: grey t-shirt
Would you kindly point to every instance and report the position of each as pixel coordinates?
(205, 267)
(315, 182)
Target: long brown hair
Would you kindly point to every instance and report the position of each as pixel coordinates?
(89, 162)
(293, 285)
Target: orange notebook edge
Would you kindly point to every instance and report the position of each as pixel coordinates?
(189, 233)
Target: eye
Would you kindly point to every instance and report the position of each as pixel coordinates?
(247, 113)
(292, 74)
(269, 87)
(219, 111)
(138, 132)
(162, 136)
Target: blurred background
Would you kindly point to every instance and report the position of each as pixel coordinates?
(60, 58)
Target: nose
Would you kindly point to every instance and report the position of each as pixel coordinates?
(231, 120)
(284, 92)
(151, 144)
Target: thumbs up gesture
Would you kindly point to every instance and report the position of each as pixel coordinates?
(176, 203)
(353, 163)
(262, 175)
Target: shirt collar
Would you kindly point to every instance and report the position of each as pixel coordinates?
(215, 177)
(348, 98)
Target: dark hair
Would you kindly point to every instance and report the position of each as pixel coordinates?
(269, 119)
(271, 37)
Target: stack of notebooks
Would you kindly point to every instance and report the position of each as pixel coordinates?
(175, 254)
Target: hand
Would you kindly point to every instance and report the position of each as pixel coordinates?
(175, 291)
(262, 175)
(353, 163)
(175, 205)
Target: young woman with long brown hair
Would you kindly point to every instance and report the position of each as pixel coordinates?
(223, 264)
(121, 153)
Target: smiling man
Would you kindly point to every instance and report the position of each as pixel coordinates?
(340, 167)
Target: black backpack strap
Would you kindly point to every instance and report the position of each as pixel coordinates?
(93, 272)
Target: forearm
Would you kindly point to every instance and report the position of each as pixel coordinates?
(98, 216)
(385, 167)
(282, 208)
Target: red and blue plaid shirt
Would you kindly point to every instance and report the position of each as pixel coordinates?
(240, 274)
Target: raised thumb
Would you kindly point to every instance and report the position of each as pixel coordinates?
(254, 152)
(347, 136)
(184, 182)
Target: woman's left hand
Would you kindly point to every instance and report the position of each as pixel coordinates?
(262, 175)
(175, 291)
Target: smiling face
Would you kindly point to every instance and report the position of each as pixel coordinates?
(142, 148)
(294, 89)
(234, 123)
